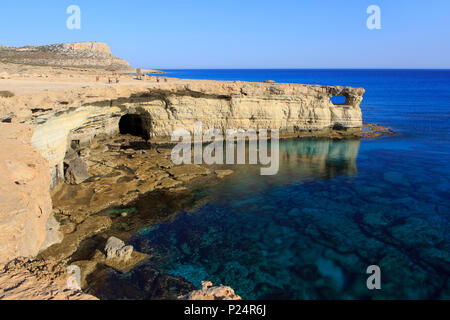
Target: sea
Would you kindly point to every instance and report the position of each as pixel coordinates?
(343, 219)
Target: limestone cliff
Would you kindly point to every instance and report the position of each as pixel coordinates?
(37, 130)
(78, 55)
(24, 194)
(60, 118)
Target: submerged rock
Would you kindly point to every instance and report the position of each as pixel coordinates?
(143, 283)
(223, 173)
(395, 178)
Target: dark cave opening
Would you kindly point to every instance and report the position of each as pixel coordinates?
(132, 124)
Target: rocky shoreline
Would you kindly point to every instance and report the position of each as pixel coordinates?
(127, 172)
(82, 154)
(28, 279)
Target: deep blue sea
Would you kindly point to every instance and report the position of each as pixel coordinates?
(335, 208)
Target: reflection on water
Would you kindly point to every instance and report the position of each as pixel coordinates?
(308, 159)
(311, 231)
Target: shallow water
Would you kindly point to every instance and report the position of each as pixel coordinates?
(335, 207)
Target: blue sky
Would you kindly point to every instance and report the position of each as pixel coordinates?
(245, 33)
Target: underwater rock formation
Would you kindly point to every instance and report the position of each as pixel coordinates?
(143, 283)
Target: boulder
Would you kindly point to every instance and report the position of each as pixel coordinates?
(54, 234)
(76, 171)
(116, 249)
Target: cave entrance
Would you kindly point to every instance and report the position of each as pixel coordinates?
(339, 100)
(133, 124)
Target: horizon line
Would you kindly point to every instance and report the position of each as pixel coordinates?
(155, 68)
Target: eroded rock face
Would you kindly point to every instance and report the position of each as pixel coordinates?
(230, 105)
(166, 107)
(23, 279)
(24, 194)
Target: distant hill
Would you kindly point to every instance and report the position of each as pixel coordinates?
(78, 55)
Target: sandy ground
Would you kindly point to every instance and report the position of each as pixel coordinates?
(24, 79)
(21, 86)
(25, 86)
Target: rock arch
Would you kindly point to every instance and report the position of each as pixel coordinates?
(340, 99)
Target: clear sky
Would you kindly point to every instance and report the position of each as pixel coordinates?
(243, 33)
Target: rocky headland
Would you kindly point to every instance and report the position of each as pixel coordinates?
(74, 55)
(78, 149)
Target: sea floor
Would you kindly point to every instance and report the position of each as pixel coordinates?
(311, 232)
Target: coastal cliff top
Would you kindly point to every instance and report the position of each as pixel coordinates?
(23, 95)
(51, 77)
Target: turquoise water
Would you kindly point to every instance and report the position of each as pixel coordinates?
(335, 207)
